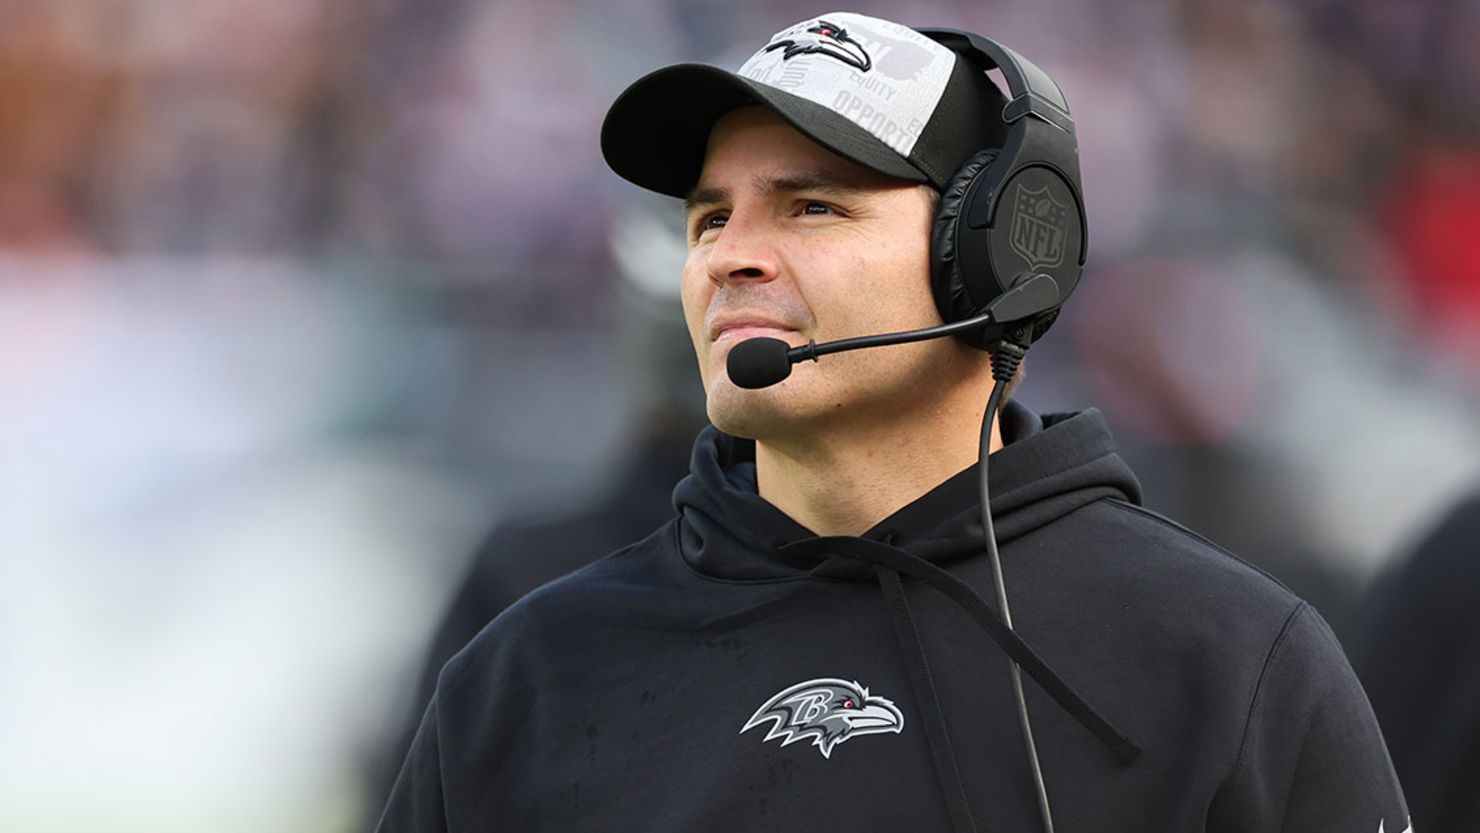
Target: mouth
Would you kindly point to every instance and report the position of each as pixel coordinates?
(742, 332)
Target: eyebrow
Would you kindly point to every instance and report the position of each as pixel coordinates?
(819, 181)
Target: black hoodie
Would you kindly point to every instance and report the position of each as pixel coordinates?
(733, 672)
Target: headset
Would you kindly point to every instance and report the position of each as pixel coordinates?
(1011, 213)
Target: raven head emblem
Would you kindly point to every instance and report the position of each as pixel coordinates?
(829, 711)
(825, 39)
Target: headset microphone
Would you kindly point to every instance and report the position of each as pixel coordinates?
(761, 362)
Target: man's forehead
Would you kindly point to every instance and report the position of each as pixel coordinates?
(781, 180)
(794, 162)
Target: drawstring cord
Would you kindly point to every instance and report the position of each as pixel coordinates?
(902, 562)
(947, 773)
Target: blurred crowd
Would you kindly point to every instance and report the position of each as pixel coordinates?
(300, 298)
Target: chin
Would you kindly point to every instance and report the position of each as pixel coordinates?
(785, 409)
(864, 385)
(748, 414)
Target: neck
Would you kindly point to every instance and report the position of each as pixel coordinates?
(846, 481)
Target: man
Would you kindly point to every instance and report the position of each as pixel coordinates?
(735, 671)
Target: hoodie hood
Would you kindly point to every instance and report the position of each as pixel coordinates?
(1048, 467)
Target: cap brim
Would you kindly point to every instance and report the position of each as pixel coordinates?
(656, 133)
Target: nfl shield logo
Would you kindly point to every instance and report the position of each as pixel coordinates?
(1038, 227)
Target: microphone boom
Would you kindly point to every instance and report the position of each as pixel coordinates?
(761, 362)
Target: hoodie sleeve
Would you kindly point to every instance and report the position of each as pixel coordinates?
(416, 802)
(1312, 759)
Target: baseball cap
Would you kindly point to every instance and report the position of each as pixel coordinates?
(872, 91)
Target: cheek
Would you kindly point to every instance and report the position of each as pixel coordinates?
(885, 292)
(910, 289)
(695, 290)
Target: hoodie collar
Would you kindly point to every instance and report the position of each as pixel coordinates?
(1049, 466)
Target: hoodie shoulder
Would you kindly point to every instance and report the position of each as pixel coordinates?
(1168, 588)
(1202, 549)
(556, 612)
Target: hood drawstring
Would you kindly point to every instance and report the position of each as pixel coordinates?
(937, 737)
(891, 562)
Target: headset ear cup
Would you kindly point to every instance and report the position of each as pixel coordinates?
(952, 297)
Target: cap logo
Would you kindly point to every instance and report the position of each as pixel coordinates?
(885, 78)
(1039, 224)
(827, 711)
(832, 40)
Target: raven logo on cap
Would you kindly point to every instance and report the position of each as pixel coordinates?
(831, 39)
(829, 711)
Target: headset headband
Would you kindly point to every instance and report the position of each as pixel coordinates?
(1032, 90)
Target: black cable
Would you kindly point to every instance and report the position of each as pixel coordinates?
(1006, 357)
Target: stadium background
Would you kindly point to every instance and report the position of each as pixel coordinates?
(299, 297)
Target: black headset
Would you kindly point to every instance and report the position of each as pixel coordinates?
(1010, 213)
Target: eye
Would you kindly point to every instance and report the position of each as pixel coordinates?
(704, 223)
(707, 222)
(817, 208)
(849, 704)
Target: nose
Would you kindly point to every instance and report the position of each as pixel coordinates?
(744, 252)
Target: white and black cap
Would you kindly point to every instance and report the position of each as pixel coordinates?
(872, 91)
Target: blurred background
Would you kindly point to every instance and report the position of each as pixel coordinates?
(300, 299)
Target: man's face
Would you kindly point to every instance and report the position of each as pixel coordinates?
(791, 241)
